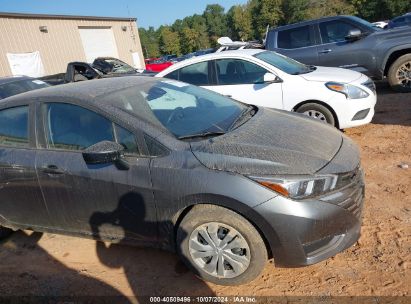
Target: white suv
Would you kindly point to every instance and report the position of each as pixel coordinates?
(340, 97)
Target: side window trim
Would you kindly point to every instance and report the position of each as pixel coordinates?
(212, 73)
(115, 133)
(162, 147)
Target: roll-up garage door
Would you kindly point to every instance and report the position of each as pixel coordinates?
(98, 42)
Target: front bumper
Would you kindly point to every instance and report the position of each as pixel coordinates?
(347, 110)
(306, 232)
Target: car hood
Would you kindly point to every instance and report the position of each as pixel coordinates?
(271, 142)
(325, 74)
(395, 33)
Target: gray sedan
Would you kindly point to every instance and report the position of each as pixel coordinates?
(156, 162)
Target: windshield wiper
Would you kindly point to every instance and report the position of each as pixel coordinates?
(204, 134)
(244, 114)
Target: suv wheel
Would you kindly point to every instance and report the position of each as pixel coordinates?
(399, 74)
(221, 246)
(317, 111)
(4, 232)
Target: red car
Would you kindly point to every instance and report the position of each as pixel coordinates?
(157, 64)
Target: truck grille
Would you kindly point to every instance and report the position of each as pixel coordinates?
(350, 196)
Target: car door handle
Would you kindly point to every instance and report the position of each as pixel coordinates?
(325, 51)
(228, 96)
(52, 169)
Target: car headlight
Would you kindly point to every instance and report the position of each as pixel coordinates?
(300, 187)
(350, 91)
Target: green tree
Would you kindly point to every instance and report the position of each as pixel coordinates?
(216, 21)
(240, 21)
(199, 24)
(149, 42)
(169, 41)
(188, 40)
(193, 33)
(294, 11)
(375, 10)
(321, 8)
(264, 13)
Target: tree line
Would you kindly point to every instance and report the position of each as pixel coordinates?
(249, 21)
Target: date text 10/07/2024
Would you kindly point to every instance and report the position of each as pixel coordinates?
(233, 299)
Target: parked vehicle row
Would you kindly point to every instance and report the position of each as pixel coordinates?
(102, 67)
(157, 64)
(158, 162)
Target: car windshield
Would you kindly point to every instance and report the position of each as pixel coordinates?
(120, 66)
(368, 25)
(285, 64)
(183, 109)
(20, 86)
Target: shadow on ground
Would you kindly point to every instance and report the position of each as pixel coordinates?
(26, 269)
(392, 108)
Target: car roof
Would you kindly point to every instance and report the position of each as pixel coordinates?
(9, 79)
(225, 54)
(84, 90)
(308, 22)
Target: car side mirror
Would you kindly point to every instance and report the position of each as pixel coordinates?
(105, 152)
(353, 35)
(271, 78)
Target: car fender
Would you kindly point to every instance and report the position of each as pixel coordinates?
(391, 51)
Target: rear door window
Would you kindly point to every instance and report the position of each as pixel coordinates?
(14, 127)
(296, 38)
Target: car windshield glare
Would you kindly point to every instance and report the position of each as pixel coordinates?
(371, 28)
(183, 109)
(120, 66)
(285, 64)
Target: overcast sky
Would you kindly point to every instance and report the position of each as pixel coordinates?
(148, 13)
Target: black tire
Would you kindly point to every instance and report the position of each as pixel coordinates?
(394, 82)
(4, 232)
(201, 215)
(315, 108)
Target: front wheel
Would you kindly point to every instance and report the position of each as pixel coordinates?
(399, 74)
(221, 246)
(317, 111)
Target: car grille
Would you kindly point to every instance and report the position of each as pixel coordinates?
(371, 85)
(350, 196)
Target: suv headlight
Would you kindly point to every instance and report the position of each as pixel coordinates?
(300, 187)
(350, 91)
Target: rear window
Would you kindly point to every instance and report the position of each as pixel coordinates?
(20, 86)
(295, 38)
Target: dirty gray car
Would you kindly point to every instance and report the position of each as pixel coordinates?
(155, 162)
